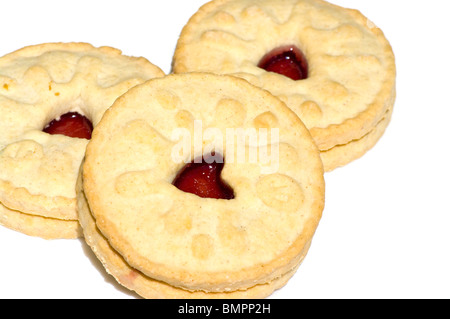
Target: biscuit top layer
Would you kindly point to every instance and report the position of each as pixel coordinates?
(351, 64)
(38, 84)
(181, 238)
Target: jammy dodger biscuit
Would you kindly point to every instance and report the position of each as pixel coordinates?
(331, 65)
(201, 183)
(51, 97)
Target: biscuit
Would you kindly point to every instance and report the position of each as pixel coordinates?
(180, 239)
(350, 66)
(38, 170)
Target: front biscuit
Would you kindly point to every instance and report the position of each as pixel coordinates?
(194, 240)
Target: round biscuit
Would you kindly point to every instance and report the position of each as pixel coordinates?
(204, 244)
(38, 84)
(351, 81)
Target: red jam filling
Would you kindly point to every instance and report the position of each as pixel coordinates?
(286, 60)
(71, 124)
(204, 180)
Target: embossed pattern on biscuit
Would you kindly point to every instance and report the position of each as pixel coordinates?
(38, 84)
(280, 191)
(182, 231)
(230, 113)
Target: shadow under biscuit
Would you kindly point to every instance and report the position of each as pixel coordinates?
(109, 279)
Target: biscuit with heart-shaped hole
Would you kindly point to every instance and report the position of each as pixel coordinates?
(39, 84)
(182, 239)
(349, 87)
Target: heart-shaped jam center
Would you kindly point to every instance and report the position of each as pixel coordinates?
(203, 179)
(286, 60)
(71, 124)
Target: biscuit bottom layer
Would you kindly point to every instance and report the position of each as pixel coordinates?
(38, 226)
(341, 155)
(148, 287)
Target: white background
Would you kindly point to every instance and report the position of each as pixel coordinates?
(385, 231)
